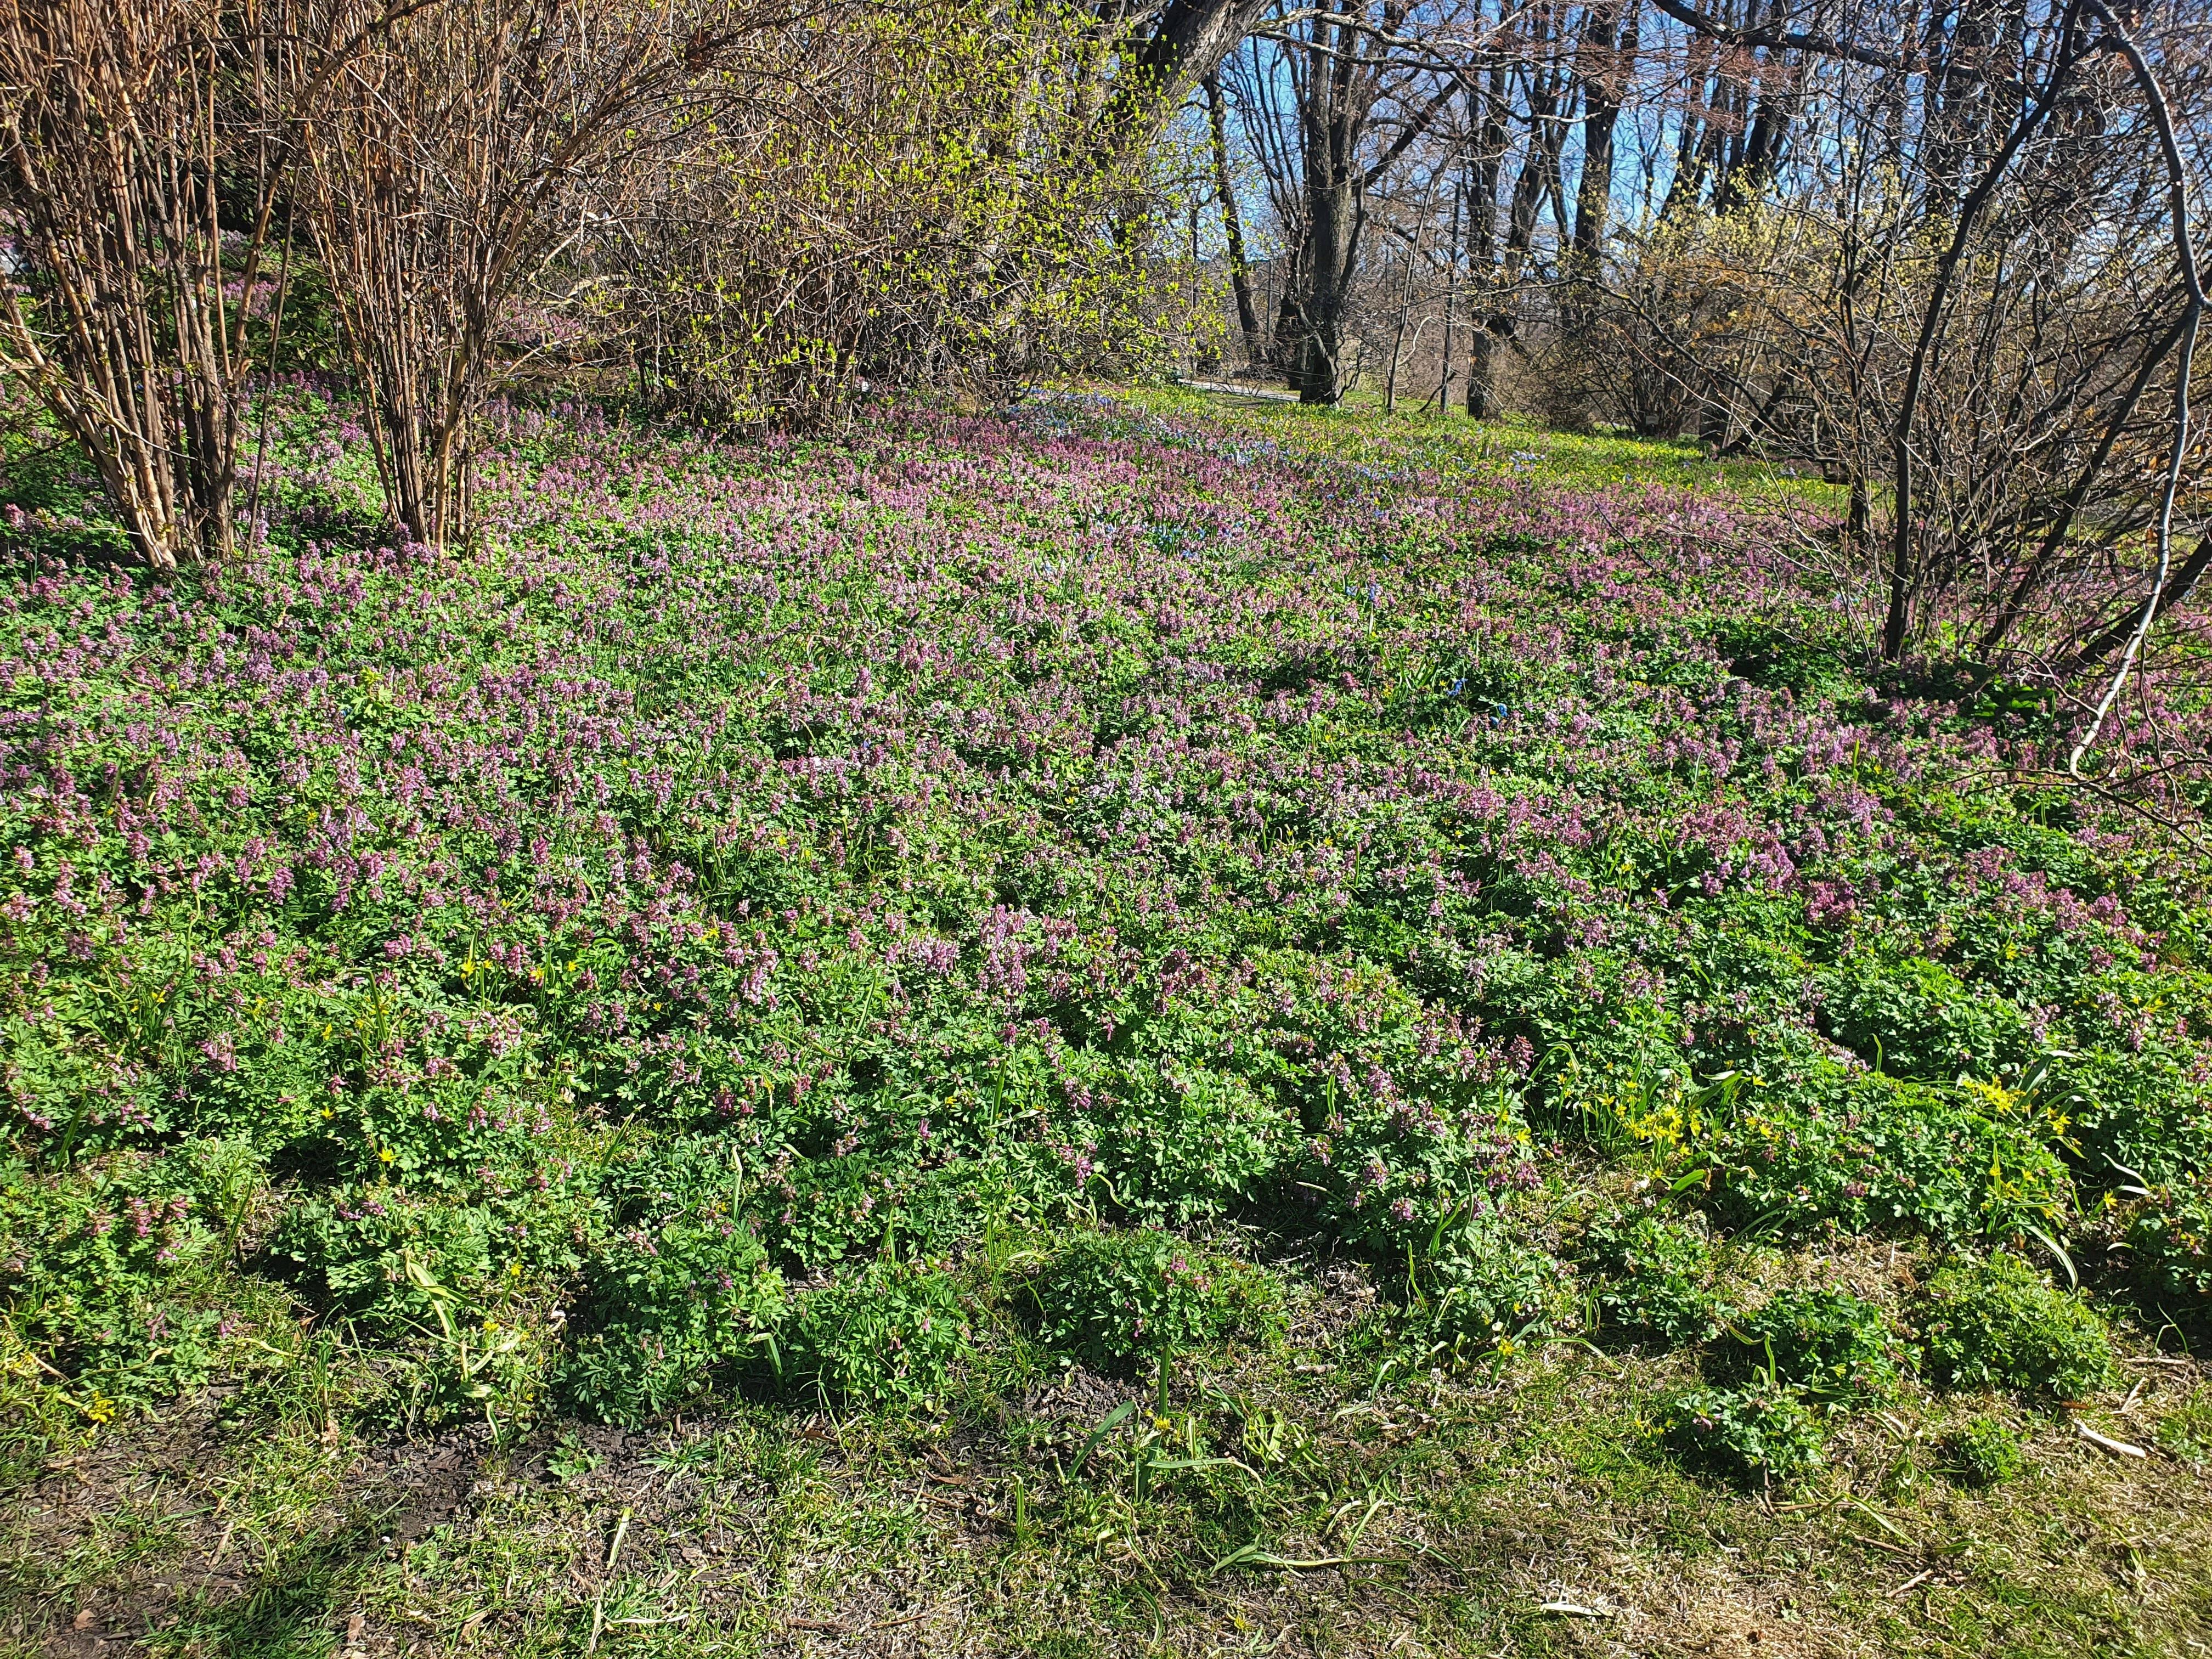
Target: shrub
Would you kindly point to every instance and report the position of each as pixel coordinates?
(1999, 1325)
(1983, 1452)
(1117, 1301)
(665, 1310)
(1489, 1288)
(1830, 1343)
(884, 1337)
(1655, 1272)
(1764, 1431)
(103, 1277)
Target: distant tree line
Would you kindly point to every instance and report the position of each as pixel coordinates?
(1942, 250)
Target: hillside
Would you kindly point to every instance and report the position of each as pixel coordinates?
(1139, 1023)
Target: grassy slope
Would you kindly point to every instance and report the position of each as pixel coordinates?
(1483, 452)
(1446, 1508)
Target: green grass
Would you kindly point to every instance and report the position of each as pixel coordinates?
(1448, 1511)
(1460, 451)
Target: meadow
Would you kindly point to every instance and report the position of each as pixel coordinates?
(1135, 1024)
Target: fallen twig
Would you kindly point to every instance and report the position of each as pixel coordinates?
(1880, 1544)
(2118, 1448)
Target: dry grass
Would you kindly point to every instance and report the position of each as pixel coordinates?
(1520, 1513)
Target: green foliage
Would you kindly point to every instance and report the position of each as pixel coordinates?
(2186, 1431)
(2167, 1231)
(884, 1337)
(1984, 1451)
(816, 855)
(1917, 1019)
(346, 1248)
(835, 1209)
(1180, 1145)
(1656, 1274)
(1833, 1345)
(1121, 1302)
(682, 1294)
(1491, 1287)
(104, 1271)
(978, 225)
(1407, 1147)
(1998, 1324)
(1763, 1431)
(1875, 1153)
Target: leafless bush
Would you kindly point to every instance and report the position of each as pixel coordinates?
(1966, 310)
(126, 124)
(458, 150)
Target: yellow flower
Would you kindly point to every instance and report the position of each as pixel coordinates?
(385, 1156)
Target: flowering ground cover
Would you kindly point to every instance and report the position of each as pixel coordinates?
(1258, 998)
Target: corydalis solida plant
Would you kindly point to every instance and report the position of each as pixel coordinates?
(1069, 810)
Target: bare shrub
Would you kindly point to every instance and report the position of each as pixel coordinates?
(1967, 311)
(919, 199)
(137, 188)
(455, 153)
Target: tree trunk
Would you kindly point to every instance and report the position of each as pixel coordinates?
(1481, 368)
(1332, 247)
(1232, 223)
(1482, 246)
(1605, 77)
(1451, 304)
(1334, 118)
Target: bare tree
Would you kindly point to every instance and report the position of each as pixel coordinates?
(1961, 292)
(1232, 220)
